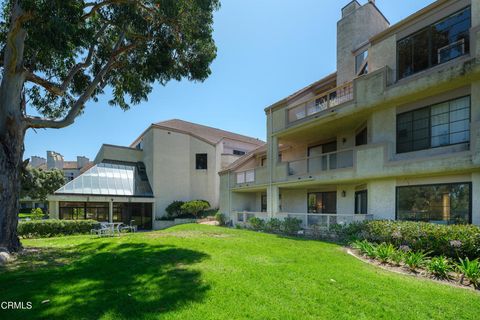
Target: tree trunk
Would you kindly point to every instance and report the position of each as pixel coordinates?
(11, 166)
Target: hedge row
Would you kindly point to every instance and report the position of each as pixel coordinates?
(51, 228)
(449, 240)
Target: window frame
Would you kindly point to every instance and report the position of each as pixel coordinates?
(361, 192)
(237, 152)
(199, 157)
(429, 107)
(428, 28)
(470, 195)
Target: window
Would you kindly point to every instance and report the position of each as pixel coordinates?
(201, 161)
(97, 211)
(264, 203)
(361, 138)
(435, 44)
(72, 210)
(361, 63)
(443, 203)
(439, 125)
(322, 202)
(238, 152)
(361, 202)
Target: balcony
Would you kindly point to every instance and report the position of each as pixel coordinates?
(309, 220)
(321, 102)
(250, 177)
(325, 162)
(325, 221)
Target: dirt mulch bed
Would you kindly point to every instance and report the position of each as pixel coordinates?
(454, 280)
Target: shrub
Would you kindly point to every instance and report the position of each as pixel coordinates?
(348, 232)
(194, 207)
(415, 260)
(397, 257)
(449, 240)
(439, 267)
(273, 225)
(256, 223)
(174, 209)
(37, 214)
(221, 218)
(291, 225)
(50, 228)
(470, 270)
(385, 252)
(366, 248)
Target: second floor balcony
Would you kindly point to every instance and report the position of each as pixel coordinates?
(322, 102)
(325, 162)
(255, 176)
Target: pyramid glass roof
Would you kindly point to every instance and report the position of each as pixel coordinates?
(111, 179)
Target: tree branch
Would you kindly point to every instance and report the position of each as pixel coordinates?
(35, 122)
(60, 89)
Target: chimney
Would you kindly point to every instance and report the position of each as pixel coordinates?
(357, 25)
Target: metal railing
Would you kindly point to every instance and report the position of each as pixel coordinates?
(325, 162)
(244, 216)
(326, 220)
(321, 102)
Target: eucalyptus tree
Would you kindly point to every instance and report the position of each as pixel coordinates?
(58, 54)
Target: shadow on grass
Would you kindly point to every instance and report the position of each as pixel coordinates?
(111, 280)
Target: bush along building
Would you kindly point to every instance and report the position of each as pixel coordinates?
(170, 161)
(394, 133)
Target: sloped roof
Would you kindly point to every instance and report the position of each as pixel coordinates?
(110, 179)
(209, 134)
(237, 163)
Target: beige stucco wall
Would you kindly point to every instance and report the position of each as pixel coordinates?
(109, 152)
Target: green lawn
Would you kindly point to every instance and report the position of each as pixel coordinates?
(206, 272)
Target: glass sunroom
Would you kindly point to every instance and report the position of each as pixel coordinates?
(113, 192)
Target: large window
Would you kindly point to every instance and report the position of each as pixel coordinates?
(201, 161)
(322, 202)
(439, 125)
(435, 44)
(84, 210)
(442, 203)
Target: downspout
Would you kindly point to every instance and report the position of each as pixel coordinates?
(271, 164)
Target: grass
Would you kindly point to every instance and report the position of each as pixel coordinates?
(206, 272)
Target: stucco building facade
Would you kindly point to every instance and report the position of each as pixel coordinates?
(394, 133)
(171, 160)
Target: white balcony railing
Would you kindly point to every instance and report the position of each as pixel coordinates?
(309, 220)
(325, 162)
(321, 102)
(326, 220)
(244, 216)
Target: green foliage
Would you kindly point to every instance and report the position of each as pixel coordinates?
(163, 41)
(174, 209)
(291, 225)
(366, 248)
(470, 270)
(440, 267)
(221, 218)
(449, 240)
(38, 184)
(37, 214)
(348, 232)
(51, 228)
(385, 252)
(415, 260)
(396, 258)
(273, 225)
(194, 207)
(256, 223)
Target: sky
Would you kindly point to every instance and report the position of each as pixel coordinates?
(266, 50)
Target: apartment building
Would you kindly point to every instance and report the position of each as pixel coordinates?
(171, 160)
(394, 133)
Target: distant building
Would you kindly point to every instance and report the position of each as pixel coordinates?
(37, 162)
